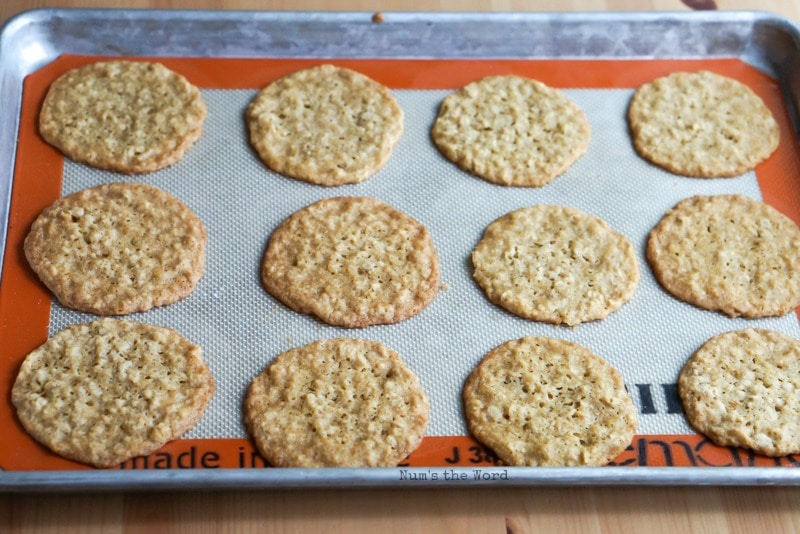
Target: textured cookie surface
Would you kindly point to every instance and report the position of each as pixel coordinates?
(728, 253)
(511, 130)
(701, 124)
(555, 264)
(337, 403)
(103, 392)
(547, 402)
(325, 125)
(352, 262)
(125, 116)
(741, 389)
(117, 249)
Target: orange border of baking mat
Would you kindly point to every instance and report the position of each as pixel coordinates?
(25, 302)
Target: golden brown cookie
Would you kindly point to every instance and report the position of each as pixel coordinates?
(117, 249)
(326, 125)
(336, 403)
(728, 253)
(555, 264)
(125, 116)
(546, 402)
(741, 390)
(352, 262)
(511, 130)
(701, 124)
(104, 392)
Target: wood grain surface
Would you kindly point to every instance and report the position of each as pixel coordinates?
(512, 510)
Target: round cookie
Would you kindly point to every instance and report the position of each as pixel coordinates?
(547, 402)
(555, 264)
(728, 253)
(336, 403)
(124, 116)
(741, 390)
(104, 392)
(701, 124)
(352, 262)
(117, 249)
(326, 125)
(511, 130)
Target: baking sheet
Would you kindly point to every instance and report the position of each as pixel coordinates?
(242, 328)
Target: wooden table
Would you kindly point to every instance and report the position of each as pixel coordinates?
(596, 509)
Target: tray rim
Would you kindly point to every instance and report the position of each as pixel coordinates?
(389, 477)
(13, 70)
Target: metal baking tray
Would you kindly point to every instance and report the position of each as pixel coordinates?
(35, 39)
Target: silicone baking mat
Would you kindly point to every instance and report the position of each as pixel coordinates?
(241, 328)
